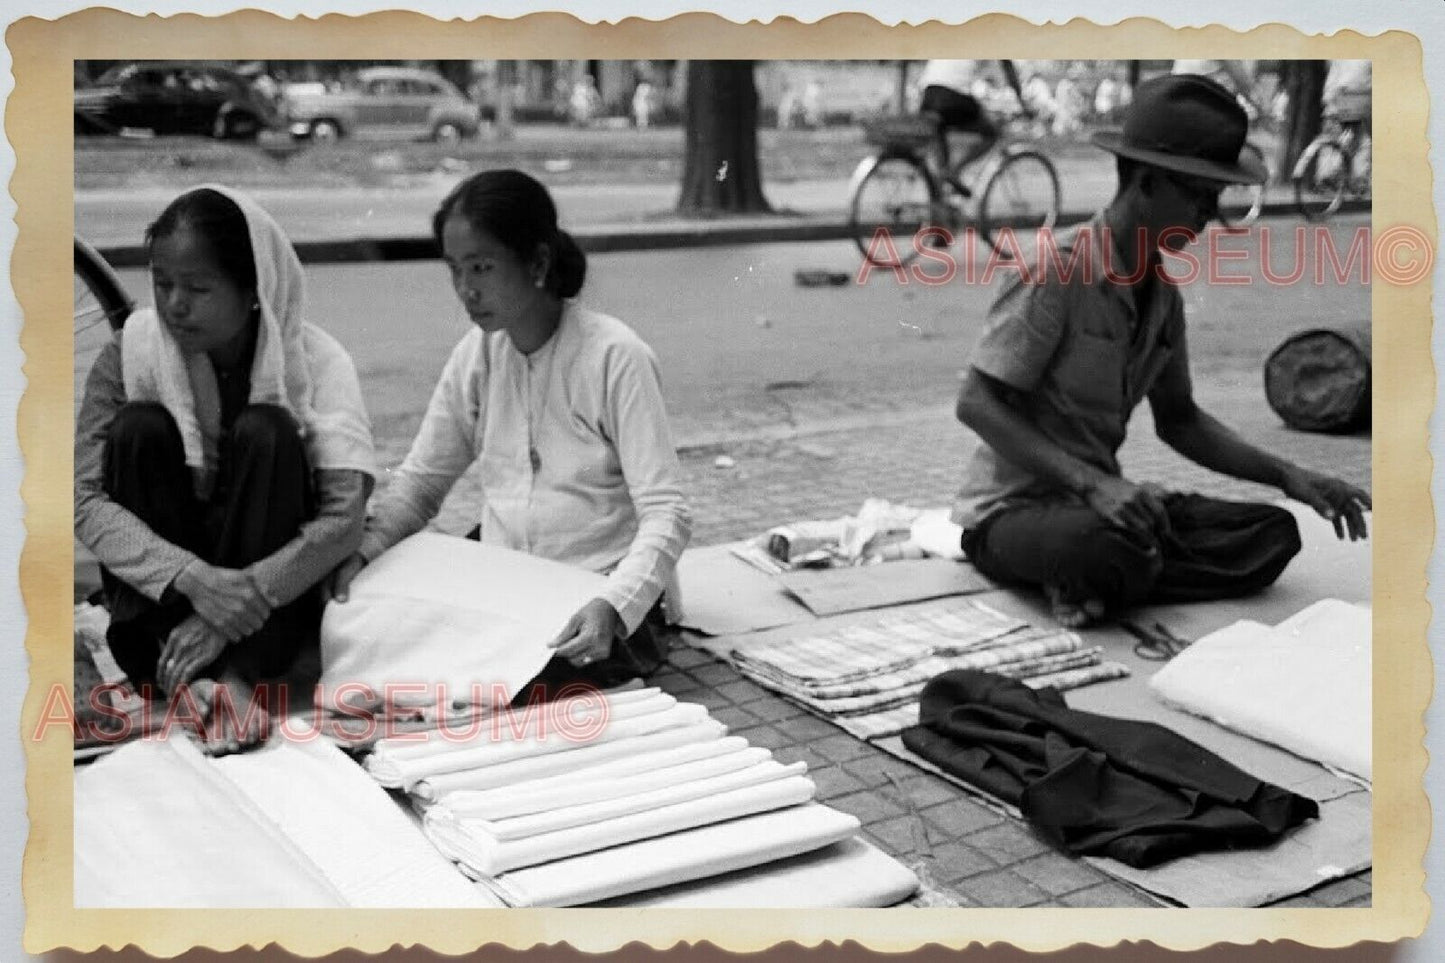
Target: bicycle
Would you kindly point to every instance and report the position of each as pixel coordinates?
(1240, 204)
(900, 191)
(101, 301)
(1326, 172)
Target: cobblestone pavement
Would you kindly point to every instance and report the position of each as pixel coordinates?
(965, 853)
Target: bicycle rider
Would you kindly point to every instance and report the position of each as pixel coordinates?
(948, 95)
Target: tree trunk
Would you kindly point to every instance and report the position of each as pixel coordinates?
(720, 167)
(1304, 82)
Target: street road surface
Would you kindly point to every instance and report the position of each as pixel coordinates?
(742, 346)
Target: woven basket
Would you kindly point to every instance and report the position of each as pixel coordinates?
(1319, 380)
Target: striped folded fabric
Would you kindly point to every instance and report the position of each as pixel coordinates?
(888, 644)
(1030, 655)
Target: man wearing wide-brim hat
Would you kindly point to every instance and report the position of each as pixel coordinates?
(1066, 357)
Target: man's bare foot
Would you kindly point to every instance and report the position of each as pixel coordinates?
(235, 723)
(1073, 613)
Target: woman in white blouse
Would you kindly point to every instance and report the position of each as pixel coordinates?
(560, 406)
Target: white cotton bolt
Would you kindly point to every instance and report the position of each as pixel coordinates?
(723, 461)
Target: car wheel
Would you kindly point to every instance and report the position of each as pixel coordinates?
(325, 131)
(447, 133)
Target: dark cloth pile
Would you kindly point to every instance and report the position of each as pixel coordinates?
(1095, 785)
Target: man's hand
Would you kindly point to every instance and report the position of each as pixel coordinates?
(191, 646)
(1342, 503)
(588, 636)
(224, 597)
(1136, 508)
(337, 587)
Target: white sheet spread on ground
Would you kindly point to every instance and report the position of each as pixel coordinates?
(677, 858)
(439, 612)
(1303, 685)
(159, 824)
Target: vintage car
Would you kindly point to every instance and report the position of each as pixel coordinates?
(173, 97)
(393, 102)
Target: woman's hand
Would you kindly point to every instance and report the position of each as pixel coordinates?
(588, 636)
(338, 584)
(1340, 502)
(191, 646)
(224, 597)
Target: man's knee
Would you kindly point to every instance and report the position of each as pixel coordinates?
(266, 430)
(1104, 562)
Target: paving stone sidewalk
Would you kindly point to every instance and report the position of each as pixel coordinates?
(966, 854)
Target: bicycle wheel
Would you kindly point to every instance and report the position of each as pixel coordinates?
(1320, 179)
(1240, 204)
(894, 196)
(101, 302)
(1022, 195)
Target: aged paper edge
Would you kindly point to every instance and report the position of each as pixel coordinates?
(1403, 521)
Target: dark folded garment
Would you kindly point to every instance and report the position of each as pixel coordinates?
(1096, 785)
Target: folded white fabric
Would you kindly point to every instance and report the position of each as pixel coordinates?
(157, 826)
(468, 843)
(433, 788)
(289, 825)
(439, 617)
(593, 783)
(1303, 685)
(676, 858)
(543, 721)
(629, 795)
(406, 772)
(347, 826)
(851, 874)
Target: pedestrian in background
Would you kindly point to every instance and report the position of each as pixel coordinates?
(560, 409)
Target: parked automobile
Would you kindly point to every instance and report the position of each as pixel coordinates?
(173, 97)
(382, 101)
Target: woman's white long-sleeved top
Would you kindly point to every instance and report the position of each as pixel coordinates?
(604, 493)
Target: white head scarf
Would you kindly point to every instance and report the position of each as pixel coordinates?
(296, 365)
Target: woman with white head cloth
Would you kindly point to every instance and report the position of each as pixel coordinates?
(222, 463)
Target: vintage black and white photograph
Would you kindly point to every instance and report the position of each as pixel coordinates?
(749, 484)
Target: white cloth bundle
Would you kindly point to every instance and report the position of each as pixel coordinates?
(439, 618)
(465, 842)
(540, 721)
(1303, 685)
(406, 772)
(433, 788)
(644, 772)
(676, 858)
(851, 874)
(624, 797)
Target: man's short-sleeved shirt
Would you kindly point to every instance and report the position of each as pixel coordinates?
(1068, 342)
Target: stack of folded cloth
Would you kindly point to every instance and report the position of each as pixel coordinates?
(656, 795)
(867, 677)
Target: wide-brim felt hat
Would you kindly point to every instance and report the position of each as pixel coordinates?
(1189, 124)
